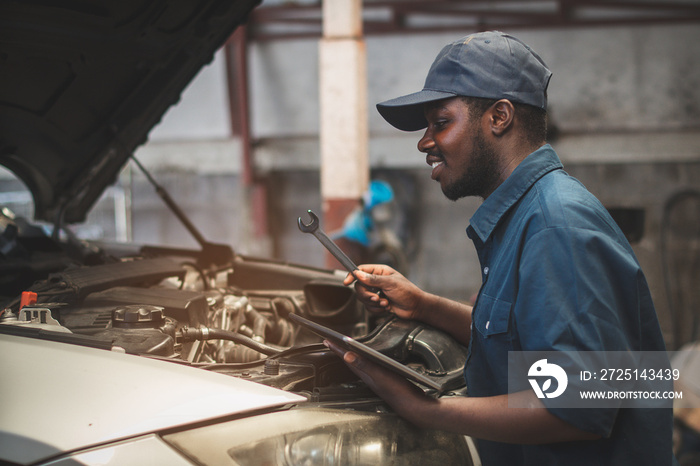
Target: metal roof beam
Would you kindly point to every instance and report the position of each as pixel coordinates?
(290, 21)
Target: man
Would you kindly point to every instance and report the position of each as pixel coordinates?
(558, 275)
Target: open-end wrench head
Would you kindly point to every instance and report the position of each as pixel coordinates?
(311, 226)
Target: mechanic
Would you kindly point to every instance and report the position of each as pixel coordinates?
(557, 273)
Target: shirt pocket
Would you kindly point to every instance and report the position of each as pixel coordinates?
(492, 316)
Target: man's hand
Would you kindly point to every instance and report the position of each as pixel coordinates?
(406, 300)
(398, 392)
(482, 417)
(401, 297)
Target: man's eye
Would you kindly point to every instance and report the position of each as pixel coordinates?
(439, 123)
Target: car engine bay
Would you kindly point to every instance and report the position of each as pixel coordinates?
(225, 316)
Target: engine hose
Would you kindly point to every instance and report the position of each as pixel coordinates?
(259, 324)
(243, 354)
(205, 333)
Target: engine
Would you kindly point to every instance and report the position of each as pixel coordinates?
(232, 320)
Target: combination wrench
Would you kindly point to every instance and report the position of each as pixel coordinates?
(313, 228)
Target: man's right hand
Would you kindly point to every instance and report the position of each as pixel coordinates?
(406, 300)
(400, 296)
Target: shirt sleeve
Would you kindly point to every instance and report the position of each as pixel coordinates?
(578, 291)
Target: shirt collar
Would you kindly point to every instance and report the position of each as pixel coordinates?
(534, 167)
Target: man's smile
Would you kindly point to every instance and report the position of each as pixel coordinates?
(437, 163)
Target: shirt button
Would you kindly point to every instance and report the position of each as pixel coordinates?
(487, 324)
(486, 270)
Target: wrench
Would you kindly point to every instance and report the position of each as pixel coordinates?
(313, 228)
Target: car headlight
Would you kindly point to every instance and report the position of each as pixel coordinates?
(321, 437)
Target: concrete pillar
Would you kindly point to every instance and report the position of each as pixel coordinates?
(343, 99)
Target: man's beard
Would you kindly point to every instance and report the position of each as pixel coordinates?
(482, 173)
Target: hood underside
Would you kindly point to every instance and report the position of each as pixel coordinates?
(83, 82)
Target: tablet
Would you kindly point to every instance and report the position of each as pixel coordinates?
(370, 353)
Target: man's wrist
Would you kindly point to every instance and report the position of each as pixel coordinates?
(426, 304)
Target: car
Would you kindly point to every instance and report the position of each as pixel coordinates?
(115, 354)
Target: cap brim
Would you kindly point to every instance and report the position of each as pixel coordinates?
(407, 112)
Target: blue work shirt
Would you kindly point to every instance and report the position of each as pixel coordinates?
(559, 275)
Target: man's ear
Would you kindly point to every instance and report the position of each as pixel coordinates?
(501, 116)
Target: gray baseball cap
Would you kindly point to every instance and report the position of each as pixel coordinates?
(492, 65)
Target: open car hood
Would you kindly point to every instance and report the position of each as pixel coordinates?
(82, 83)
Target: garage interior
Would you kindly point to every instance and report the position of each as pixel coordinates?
(241, 152)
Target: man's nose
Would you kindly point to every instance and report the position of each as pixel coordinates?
(426, 142)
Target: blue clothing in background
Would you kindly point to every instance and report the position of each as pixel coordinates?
(559, 275)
